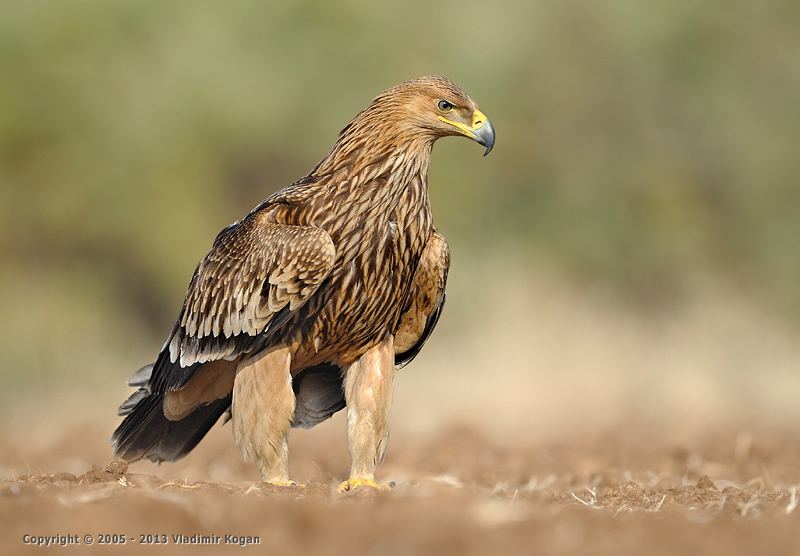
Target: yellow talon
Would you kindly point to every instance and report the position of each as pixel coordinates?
(351, 484)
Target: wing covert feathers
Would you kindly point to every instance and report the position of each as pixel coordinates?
(255, 271)
(426, 299)
(257, 274)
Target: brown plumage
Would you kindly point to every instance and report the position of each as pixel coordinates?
(310, 302)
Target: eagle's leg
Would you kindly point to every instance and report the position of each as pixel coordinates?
(368, 388)
(263, 407)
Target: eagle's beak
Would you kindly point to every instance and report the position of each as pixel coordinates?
(480, 130)
(484, 132)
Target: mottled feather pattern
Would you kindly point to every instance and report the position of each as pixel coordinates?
(426, 297)
(254, 270)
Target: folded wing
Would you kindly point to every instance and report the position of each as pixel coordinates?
(257, 275)
(425, 302)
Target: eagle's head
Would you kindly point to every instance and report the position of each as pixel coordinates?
(433, 106)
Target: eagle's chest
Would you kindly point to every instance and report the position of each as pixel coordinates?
(379, 259)
(379, 239)
(367, 292)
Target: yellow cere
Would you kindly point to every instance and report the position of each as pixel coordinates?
(478, 119)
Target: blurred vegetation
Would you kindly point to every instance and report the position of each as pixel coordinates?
(638, 143)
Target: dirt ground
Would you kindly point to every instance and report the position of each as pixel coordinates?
(598, 431)
(457, 492)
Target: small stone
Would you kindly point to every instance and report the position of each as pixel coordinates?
(118, 467)
(705, 482)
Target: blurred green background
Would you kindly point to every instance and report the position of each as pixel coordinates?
(640, 145)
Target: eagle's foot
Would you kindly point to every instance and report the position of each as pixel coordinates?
(284, 483)
(351, 484)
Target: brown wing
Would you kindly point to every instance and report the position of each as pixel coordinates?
(257, 274)
(426, 299)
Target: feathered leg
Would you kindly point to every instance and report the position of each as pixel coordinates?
(263, 407)
(369, 384)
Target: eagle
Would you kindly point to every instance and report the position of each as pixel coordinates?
(312, 301)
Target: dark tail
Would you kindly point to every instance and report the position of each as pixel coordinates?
(319, 394)
(147, 433)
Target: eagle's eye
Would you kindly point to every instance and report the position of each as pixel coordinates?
(444, 106)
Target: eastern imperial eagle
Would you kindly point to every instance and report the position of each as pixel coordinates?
(310, 302)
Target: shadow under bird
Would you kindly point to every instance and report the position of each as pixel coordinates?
(312, 301)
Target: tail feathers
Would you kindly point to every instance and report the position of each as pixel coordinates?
(142, 376)
(130, 404)
(147, 433)
(319, 395)
(139, 379)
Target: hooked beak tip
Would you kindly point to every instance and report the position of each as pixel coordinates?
(484, 135)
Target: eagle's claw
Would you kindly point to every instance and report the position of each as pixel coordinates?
(284, 483)
(351, 484)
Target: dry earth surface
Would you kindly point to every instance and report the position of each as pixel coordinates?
(458, 492)
(558, 422)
